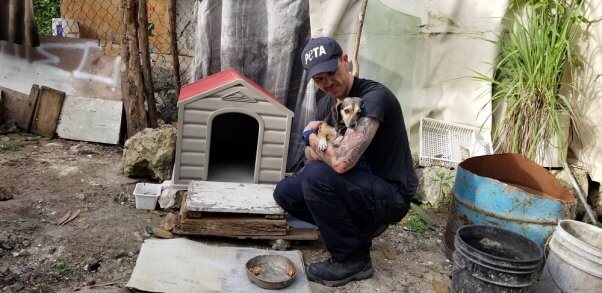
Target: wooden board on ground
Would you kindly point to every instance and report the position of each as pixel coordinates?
(233, 227)
(48, 109)
(29, 108)
(230, 197)
(237, 225)
(89, 119)
(13, 103)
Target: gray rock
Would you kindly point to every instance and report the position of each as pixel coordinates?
(80, 149)
(595, 199)
(170, 198)
(150, 153)
(9, 126)
(435, 186)
(580, 175)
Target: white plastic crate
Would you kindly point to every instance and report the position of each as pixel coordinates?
(447, 144)
(147, 195)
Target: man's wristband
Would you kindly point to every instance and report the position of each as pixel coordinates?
(305, 136)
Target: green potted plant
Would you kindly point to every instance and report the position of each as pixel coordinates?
(535, 49)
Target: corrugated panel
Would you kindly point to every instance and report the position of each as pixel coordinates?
(196, 116)
(274, 163)
(193, 158)
(272, 150)
(194, 131)
(191, 173)
(273, 136)
(193, 144)
(270, 176)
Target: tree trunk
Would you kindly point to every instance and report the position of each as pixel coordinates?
(171, 8)
(134, 93)
(146, 64)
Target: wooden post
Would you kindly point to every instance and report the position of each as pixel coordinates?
(133, 93)
(171, 8)
(146, 64)
(360, 25)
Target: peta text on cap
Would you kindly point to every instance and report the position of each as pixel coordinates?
(320, 55)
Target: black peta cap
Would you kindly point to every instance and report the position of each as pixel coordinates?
(320, 55)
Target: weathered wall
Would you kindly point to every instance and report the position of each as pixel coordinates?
(450, 47)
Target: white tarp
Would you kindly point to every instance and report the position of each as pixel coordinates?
(586, 149)
(450, 47)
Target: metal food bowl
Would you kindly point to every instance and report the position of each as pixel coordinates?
(271, 271)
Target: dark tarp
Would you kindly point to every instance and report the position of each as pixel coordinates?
(261, 39)
(17, 23)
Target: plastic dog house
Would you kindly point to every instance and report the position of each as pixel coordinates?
(230, 130)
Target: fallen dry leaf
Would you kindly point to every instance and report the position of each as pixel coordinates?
(64, 218)
(162, 233)
(73, 216)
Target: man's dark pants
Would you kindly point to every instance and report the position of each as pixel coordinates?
(347, 208)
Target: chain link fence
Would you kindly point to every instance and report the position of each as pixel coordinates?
(101, 20)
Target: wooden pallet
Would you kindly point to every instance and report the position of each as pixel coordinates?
(217, 221)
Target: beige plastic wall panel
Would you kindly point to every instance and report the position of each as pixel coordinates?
(194, 158)
(273, 163)
(190, 130)
(193, 145)
(274, 136)
(196, 116)
(272, 150)
(191, 173)
(270, 176)
(216, 103)
(275, 122)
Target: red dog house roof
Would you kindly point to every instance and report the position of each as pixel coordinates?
(211, 82)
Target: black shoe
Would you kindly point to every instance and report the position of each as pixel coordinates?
(333, 274)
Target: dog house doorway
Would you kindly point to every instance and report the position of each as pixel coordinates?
(233, 148)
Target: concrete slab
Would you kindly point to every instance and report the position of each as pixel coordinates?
(182, 265)
(88, 119)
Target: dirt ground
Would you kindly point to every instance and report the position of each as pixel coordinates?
(97, 250)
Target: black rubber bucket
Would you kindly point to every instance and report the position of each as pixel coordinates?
(492, 259)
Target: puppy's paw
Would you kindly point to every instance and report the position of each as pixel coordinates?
(322, 144)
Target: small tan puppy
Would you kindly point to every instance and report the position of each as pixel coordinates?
(348, 111)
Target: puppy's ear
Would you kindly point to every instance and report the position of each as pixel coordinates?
(358, 102)
(338, 106)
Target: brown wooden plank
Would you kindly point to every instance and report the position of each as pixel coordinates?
(228, 227)
(47, 112)
(274, 216)
(13, 103)
(29, 107)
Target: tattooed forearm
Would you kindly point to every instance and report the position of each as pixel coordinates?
(340, 152)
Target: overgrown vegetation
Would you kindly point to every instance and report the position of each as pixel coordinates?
(165, 92)
(535, 49)
(44, 11)
(418, 220)
(60, 268)
(10, 145)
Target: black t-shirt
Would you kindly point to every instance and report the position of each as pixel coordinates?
(388, 155)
